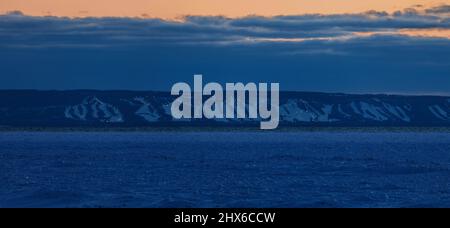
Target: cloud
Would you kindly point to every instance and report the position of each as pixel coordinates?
(25, 31)
(443, 9)
(15, 13)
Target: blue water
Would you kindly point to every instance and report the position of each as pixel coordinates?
(219, 169)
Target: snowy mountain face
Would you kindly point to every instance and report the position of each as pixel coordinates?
(94, 109)
(135, 109)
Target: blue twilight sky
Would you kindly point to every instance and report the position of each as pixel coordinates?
(374, 52)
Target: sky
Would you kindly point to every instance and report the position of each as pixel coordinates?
(327, 46)
(231, 8)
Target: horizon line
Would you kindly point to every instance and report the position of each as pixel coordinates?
(411, 94)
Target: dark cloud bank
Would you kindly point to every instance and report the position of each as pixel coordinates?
(305, 52)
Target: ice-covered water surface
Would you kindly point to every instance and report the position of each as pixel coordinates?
(220, 169)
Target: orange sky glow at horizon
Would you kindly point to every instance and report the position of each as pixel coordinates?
(172, 9)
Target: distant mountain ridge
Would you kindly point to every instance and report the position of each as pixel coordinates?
(90, 108)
